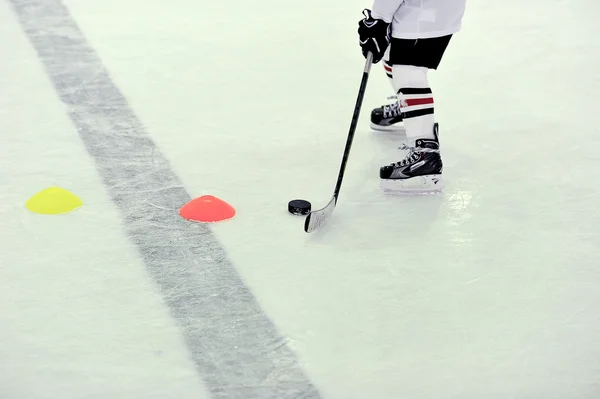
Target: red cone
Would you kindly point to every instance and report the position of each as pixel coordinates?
(207, 209)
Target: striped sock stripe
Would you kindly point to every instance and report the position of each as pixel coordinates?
(417, 113)
(416, 101)
(388, 69)
(410, 102)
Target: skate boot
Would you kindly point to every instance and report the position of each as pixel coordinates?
(419, 172)
(387, 117)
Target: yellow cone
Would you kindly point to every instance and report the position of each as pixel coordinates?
(53, 201)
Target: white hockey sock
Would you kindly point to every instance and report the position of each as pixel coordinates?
(388, 72)
(388, 68)
(416, 101)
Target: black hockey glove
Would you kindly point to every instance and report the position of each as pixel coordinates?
(374, 36)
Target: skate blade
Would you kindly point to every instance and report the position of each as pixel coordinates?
(428, 184)
(392, 128)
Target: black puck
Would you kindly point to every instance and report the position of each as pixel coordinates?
(299, 207)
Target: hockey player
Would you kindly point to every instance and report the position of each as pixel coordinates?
(411, 37)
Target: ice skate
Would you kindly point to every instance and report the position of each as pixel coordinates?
(419, 172)
(387, 118)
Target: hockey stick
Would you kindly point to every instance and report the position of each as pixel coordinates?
(320, 217)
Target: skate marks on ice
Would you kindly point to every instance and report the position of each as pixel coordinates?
(367, 218)
(236, 348)
(377, 220)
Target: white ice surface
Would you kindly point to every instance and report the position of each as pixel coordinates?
(79, 317)
(491, 290)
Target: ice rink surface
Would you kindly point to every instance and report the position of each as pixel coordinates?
(490, 290)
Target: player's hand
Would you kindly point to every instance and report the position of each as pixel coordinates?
(374, 36)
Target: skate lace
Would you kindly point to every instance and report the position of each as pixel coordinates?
(391, 110)
(413, 154)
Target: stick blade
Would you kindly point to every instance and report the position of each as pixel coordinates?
(320, 217)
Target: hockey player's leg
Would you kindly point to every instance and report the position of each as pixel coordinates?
(421, 169)
(387, 117)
